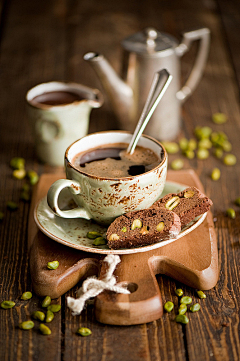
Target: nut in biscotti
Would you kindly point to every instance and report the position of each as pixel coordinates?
(187, 204)
(142, 228)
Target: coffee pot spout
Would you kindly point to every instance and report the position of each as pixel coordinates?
(119, 93)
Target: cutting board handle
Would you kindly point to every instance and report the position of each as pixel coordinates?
(143, 304)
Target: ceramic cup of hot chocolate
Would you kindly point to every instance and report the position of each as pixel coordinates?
(105, 181)
(59, 114)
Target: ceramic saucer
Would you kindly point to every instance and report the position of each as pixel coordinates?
(72, 232)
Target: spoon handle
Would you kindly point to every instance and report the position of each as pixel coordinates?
(160, 83)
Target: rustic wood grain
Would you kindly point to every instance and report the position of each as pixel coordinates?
(46, 41)
(230, 15)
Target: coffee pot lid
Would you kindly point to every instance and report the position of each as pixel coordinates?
(149, 41)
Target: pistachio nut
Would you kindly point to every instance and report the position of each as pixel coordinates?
(114, 237)
(172, 203)
(160, 226)
(137, 223)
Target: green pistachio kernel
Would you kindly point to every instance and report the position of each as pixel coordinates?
(182, 319)
(1, 216)
(237, 201)
(218, 153)
(26, 325)
(49, 316)
(194, 308)
(25, 187)
(38, 315)
(172, 203)
(177, 164)
(186, 299)
(7, 304)
(202, 153)
(189, 154)
(25, 196)
(33, 177)
(114, 237)
(205, 143)
(53, 265)
(182, 309)
(84, 331)
(12, 205)
(219, 118)
(168, 306)
(179, 292)
(26, 295)
(17, 163)
(183, 144)
(124, 229)
(44, 329)
(227, 146)
(203, 132)
(231, 213)
(201, 294)
(47, 301)
(192, 144)
(216, 174)
(230, 159)
(54, 308)
(218, 139)
(99, 241)
(160, 226)
(171, 147)
(93, 235)
(137, 223)
(19, 173)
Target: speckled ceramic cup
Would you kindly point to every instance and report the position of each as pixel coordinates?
(104, 199)
(56, 126)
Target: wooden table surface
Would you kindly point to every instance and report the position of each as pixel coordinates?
(45, 40)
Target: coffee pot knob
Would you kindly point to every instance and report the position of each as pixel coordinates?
(151, 35)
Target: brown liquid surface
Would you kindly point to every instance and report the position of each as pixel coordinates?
(56, 98)
(112, 161)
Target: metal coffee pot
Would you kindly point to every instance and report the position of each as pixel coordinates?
(145, 53)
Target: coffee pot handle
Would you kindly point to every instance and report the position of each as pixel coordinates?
(203, 35)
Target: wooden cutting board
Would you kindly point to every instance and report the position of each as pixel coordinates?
(192, 260)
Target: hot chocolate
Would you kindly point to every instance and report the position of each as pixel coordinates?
(112, 161)
(56, 98)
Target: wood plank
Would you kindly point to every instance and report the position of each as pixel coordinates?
(28, 46)
(230, 15)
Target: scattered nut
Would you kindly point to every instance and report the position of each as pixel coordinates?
(216, 174)
(231, 213)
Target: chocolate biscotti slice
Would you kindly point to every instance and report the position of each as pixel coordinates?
(142, 228)
(187, 204)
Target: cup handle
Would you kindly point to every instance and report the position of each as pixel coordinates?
(48, 130)
(53, 195)
(204, 36)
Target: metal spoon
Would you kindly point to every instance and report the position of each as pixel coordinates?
(160, 83)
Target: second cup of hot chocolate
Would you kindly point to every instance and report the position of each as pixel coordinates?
(105, 181)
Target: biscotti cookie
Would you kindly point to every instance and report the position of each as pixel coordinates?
(187, 204)
(142, 228)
